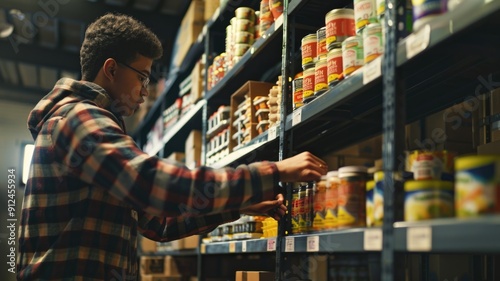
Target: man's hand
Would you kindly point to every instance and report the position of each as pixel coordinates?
(301, 167)
(273, 208)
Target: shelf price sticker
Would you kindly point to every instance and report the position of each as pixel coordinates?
(232, 247)
(419, 239)
(278, 22)
(243, 246)
(418, 41)
(272, 134)
(296, 116)
(289, 244)
(372, 240)
(271, 244)
(313, 243)
(372, 70)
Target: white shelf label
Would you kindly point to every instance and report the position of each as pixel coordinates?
(313, 243)
(419, 239)
(232, 247)
(243, 246)
(278, 22)
(272, 134)
(372, 70)
(372, 239)
(289, 244)
(271, 244)
(418, 41)
(296, 116)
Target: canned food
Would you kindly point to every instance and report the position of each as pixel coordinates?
(305, 214)
(373, 45)
(378, 198)
(428, 199)
(424, 10)
(352, 194)
(297, 92)
(320, 77)
(334, 66)
(243, 25)
(241, 49)
(309, 46)
(276, 7)
(245, 13)
(308, 85)
(331, 200)
(265, 11)
(339, 26)
(364, 13)
(427, 165)
(477, 185)
(370, 210)
(243, 37)
(321, 42)
(380, 8)
(319, 205)
(352, 54)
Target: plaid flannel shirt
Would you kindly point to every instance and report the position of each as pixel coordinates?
(91, 190)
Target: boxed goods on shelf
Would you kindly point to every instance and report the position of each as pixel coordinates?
(243, 120)
(193, 149)
(210, 7)
(254, 276)
(147, 245)
(191, 27)
(158, 265)
(160, 277)
(177, 156)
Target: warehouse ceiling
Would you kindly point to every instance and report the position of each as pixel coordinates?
(40, 39)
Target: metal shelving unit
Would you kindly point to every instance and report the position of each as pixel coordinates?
(443, 63)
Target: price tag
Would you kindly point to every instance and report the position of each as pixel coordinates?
(296, 116)
(278, 22)
(271, 244)
(232, 247)
(419, 239)
(272, 134)
(313, 243)
(289, 244)
(372, 70)
(418, 41)
(373, 239)
(203, 248)
(243, 246)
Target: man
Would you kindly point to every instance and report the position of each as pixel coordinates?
(91, 189)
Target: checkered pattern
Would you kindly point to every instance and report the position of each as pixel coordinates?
(91, 190)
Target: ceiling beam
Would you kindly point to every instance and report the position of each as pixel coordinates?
(41, 56)
(20, 94)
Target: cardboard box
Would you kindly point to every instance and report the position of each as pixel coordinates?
(160, 277)
(148, 245)
(190, 242)
(170, 267)
(250, 89)
(254, 276)
(197, 91)
(152, 265)
(191, 27)
(177, 156)
(489, 148)
(193, 149)
(210, 8)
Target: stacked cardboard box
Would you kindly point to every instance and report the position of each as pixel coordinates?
(159, 268)
(193, 149)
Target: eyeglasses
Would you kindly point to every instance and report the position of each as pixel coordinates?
(144, 79)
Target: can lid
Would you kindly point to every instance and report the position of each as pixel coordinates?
(340, 12)
(474, 161)
(370, 185)
(428, 184)
(352, 169)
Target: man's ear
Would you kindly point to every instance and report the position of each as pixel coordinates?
(109, 68)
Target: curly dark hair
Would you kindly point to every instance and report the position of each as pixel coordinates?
(116, 36)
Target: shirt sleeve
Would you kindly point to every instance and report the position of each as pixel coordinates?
(172, 228)
(94, 148)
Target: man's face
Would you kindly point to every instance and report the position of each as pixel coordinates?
(128, 88)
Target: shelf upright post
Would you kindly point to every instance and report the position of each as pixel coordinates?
(285, 145)
(393, 134)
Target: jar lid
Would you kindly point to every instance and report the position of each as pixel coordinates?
(352, 169)
(474, 161)
(428, 184)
